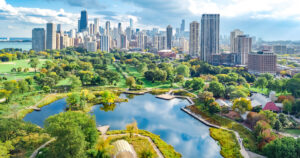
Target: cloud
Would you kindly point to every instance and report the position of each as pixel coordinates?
(35, 15)
(83, 3)
(107, 13)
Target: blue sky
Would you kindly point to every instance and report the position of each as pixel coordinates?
(269, 19)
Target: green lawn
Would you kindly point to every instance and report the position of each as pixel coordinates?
(292, 131)
(266, 91)
(122, 82)
(5, 67)
(64, 82)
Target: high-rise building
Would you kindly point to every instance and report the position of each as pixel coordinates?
(92, 46)
(169, 37)
(59, 29)
(104, 43)
(107, 28)
(96, 25)
(162, 43)
(83, 21)
(91, 29)
(122, 41)
(131, 23)
(120, 28)
(128, 33)
(210, 32)
(262, 62)
(78, 29)
(38, 39)
(141, 40)
(243, 45)
(51, 36)
(58, 40)
(194, 45)
(280, 49)
(233, 35)
(182, 27)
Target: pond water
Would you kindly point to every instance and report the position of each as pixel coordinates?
(163, 117)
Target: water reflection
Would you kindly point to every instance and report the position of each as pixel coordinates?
(187, 135)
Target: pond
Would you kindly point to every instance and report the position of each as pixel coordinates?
(163, 117)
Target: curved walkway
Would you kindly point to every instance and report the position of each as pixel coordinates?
(33, 155)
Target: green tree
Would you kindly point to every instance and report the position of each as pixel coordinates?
(278, 125)
(130, 81)
(216, 88)
(73, 100)
(242, 105)
(293, 85)
(214, 107)
(75, 133)
(34, 62)
(112, 76)
(75, 82)
(287, 106)
(197, 83)
(261, 82)
(108, 97)
(5, 149)
(132, 128)
(270, 116)
(286, 147)
(183, 70)
(46, 89)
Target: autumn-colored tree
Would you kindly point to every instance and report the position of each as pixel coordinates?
(242, 105)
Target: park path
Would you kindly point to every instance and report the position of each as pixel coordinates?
(33, 155)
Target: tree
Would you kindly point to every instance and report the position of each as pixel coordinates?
(183, 70)
(216, 88)
(242, 105)
(48, 81)
(132, 128)
(197, 83)
(112, 76)
(286, 147)
(73, 101)
(278, 125)
(108, 97)
(4, 94)
(5, 149)
(130, 81)
(75, 82)
(75, 132)
(261, 82)
(214, 107)
(271, 117)
(293, 85)
(104, 149)
(34, 62)
(287, 106)
(146, 153)
(179, 78)
(46, 89)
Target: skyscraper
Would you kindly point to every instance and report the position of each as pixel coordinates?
(194, 45)
(233, 35)
(131, 23)
(59, 29)
(96, 25)
(169, 37)
(141, 40)
(107, 28)
(38, 39)
(120, 28)
(243, 44)
(182, 27)
(83, 21)
(210, 32)
(51, 36)
(104, 43)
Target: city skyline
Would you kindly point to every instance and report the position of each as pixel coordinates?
(20, 18)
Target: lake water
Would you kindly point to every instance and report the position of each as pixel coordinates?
(23, 45)
(188, 136)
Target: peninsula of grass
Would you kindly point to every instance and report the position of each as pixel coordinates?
(249, 140)
(229, 145)
(167, 150)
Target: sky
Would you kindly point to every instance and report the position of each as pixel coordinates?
(268, 19)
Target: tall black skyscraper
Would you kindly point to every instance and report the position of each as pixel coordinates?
(83, 21)
(182, 27)
(169, 37)
(210, 32)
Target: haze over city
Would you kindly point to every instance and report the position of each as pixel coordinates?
(268, 19)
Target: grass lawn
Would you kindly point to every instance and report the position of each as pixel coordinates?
(5, 67)
(139, 144)
(229, 145)
(249, 139)
(64, 82)
(266, 91)
(292, 131)
(122, 82)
